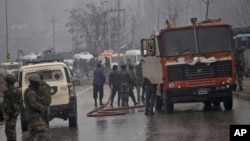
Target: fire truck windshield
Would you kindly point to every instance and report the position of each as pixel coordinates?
(183, 41)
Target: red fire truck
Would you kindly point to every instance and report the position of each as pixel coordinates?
(194, 63)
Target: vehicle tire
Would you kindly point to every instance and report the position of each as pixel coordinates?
(169, 106)
(216, 103)
(207, 105)
(24, 125)
(228, 103)
(73, 121)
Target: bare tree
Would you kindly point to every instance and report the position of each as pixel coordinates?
(173, 10)
(242, 17)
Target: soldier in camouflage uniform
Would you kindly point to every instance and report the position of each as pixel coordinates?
(2, 89)
(34, 111)
(125, 80)
(44, 89)
(11, 106)
(240, 66)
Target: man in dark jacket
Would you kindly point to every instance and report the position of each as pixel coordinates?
(114, 83)
(98, 82)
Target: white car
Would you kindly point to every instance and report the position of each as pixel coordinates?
(63, 96)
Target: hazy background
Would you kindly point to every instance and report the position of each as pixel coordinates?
(30, 27)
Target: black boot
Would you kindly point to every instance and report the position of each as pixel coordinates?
(95, 103)
(101, 102)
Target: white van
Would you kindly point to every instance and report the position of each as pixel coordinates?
(83, 55)
(63, 96)
(134, 56)
(10, 67)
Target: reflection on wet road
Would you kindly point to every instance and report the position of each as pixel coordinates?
(188, 123)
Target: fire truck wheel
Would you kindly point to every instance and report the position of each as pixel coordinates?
(228, 103)
(216, 103)
(207, 105)
(169, 106)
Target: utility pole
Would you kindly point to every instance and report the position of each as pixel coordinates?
(118, 23)
(207, 2)
(7, 32)
(53, 21)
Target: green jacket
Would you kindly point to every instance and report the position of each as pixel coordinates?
(33, 105)
(12, 101)
(44, 89)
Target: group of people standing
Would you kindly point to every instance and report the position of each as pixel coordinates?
(36, 99)
(123, 81)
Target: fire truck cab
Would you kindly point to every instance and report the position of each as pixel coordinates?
(195, 63)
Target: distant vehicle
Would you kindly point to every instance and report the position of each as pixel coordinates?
(50, 54)
(27, 58)
(83, 55)
(134, 56)
(69, 63)
(243, 40)
(59, 77)
(10, 67)
(112, 57)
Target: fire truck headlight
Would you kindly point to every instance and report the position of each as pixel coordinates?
(229, 80)
(223, 82)
(179, 86)
(171, 85)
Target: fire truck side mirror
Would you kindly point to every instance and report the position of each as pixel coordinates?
(148, 47)
(144, 47)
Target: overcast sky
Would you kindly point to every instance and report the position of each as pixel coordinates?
(35, 15)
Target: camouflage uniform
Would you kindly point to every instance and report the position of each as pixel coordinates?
(44, 90)
(125, 80)
(11, 105)
(240, 67)
(2, 89)
(132, 83)
(34, 111)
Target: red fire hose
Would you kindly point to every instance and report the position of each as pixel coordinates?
(101, 111)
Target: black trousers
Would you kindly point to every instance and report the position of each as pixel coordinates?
(132, 95)
(98, 89)
(150, 98)
(115, 90)
(1, 113)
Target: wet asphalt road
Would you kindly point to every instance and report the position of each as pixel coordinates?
(188, 123)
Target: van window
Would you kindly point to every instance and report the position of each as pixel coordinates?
(47, 75)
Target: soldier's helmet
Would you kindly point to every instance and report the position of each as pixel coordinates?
(35, 77)
(10, 79)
